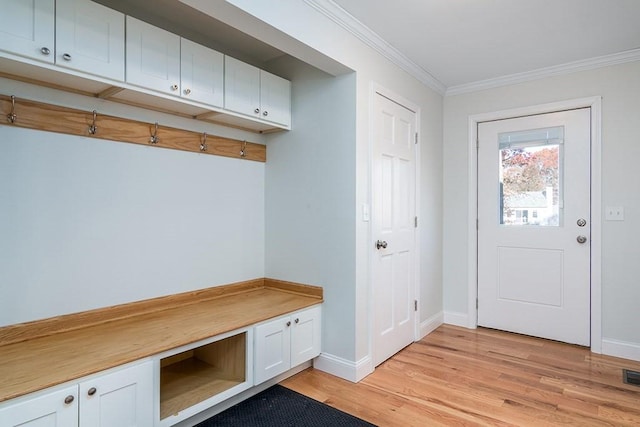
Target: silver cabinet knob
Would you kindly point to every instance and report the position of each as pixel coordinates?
(257, 111)
(297, 320)
(92, 391)
(45, 51)
(69, 399)
(66, 57)
(174, 87)
(581, 222)
(187, 91)
(289, 323)
(381, 244)
(265, 113)
(581, 239)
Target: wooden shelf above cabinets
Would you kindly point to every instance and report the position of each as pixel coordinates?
(52, 118)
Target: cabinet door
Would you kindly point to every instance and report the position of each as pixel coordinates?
(305, 335)
(275, 98)
(272, 349)
(241, 87)
(49, 410)
(27, 28)
(123, 398)
(90, 38)
(201, 73)
(153, 57)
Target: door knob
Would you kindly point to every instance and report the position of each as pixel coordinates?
(381, 244)
(581, 239)
(581, 222)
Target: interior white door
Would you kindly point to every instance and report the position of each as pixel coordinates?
(393, 226)
(534, 225)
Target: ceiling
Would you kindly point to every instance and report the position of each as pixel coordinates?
(461, 42)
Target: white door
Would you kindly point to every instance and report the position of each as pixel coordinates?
(153, 57)
(201, 73)
(305, 335)
(27, 28)
(534, 225)
(275, 98)
(56, 409)
(272, 349)
(394, 166)
(241, 87)
(90, 38)
(123, 398)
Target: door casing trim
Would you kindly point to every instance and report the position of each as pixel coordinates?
(595, 103)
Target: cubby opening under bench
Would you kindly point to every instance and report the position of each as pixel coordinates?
(172, 356)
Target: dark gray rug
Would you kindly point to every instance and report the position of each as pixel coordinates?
(278, 406)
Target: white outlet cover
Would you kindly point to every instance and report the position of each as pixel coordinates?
(614, 213)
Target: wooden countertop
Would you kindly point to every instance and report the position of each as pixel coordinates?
(45, 361)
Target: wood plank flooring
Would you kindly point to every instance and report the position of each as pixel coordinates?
(461, 377)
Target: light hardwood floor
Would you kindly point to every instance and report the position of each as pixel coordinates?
(462, 377)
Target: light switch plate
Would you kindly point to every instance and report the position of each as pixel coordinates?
(614, 213)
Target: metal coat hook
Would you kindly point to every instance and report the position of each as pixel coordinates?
(92, 128)
(12, 117)
(203, 142)
(244, 146)
(154, 136)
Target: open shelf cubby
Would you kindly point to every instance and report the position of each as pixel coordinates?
(196, 375)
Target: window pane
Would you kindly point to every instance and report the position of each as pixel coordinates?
(531, 177)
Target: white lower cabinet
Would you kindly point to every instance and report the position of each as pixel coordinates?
(120, 398)
(286, 342)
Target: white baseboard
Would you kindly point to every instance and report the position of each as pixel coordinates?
(456, 319)
(343, 368)
(624, 349)
(431, 324)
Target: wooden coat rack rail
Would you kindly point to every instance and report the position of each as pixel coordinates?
(47, 117)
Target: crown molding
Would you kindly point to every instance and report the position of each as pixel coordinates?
(541, 73)
(373, 40)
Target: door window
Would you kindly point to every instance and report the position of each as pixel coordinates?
(530, 164)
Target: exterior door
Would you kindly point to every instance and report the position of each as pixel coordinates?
(534, 225)
(393, 227)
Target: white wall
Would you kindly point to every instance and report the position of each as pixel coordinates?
(620, 88)
(303, 32)
(88, 223)
(309, 197)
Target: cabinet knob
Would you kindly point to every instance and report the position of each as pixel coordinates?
(265, 113)
(69, 399)
(91, 391)
(66, 57)
(187, 91)
(174, 87)
(289, 323)
(257, 111)
(45, 51)
(297, 320)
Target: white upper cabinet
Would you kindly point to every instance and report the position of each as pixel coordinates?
(256, 93)
(90, 38)
(201, 73)
(27, 28)
(153, 57)
(275, 98)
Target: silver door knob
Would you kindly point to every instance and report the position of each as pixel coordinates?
(66, 57)
(174, 87)
(45, 51)
(265, 113)
(69, 399)
(187, 91)
(581, 239)
(581, 222)
(381, 244)
(257, 111)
